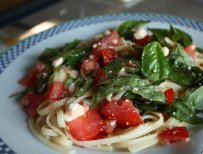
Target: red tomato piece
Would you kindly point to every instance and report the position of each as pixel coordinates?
(108, 55)
(88, 65)
(169, 93)
(173, 134)
(99, 75)
(123, 111)
(32, 101)
(86, 127)
(112, 40)
(191, 51)
(29, 80)
(143, 42)
(108, 126)
(56, 90)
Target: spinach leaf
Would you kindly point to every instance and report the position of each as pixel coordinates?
(125, 28)
(71, 45)
(187, 108)
(154, 65)
(180, 36)
(200, 50)
(115, 66)
(175, 34)
(72, 57)
(134, 84)
(182, 68)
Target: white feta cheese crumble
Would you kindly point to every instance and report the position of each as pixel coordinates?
(75, 110)
(94, 46)
(140, 34)
(107, 32)
(169, 42)
(115, 41)
(57, 62)
(165, 51)
(193, 46)
(112, 123)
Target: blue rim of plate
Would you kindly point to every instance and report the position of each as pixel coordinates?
(13, 52)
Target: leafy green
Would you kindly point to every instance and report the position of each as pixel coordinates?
(72, 57)
(187, 108)
(115, 66)
(200, 50)
(154, 65)
(175, 34)
(134, 84)
(182, 68)
(71, 45)
(125, 28)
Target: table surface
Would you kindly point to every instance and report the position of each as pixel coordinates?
(72, 9)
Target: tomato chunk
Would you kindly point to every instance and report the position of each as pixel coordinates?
(88, 65)
(86, 127)
(113, 39)
(123, 111)
(31, 78)
(56, 90)
(99, 75)
(169, 93)
(32, 101)
(191, 51)
(143, 42)
(108, 126)
(174, 134)
(108, 55)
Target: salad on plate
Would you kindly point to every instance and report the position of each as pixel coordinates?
(127, 88)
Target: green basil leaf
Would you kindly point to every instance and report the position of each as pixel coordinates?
(182, 68)
(125, 28)
(159, 35)
(73, 57)
(134, 84)
(154, 65)
(180, 36)
(186, 109)
(115, 66)
(71, 45)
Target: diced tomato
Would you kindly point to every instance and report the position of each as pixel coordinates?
(32, 101)
(191, 51)
(173, 134)
(86, 127)
(112, 40)
(169, 93)
(38, 67)
(56, 90)
(89, 65)
(99, 75)
(143, 42)
(108, 55)
(123, 111)
(131, 64)
(108, 126)
(31, 78)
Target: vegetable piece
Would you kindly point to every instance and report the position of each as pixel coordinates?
(56, 90)
(187, 108)
(108, 55)
(99, 75)
(134, 84)
(73, 57)
(191, 51)
(174, 134)
(108, 126)
(88, 65)
(86, 127)
(154, 65)
(143, 42)
(123, 111)
(111, 40)
(32, 101)
(169, 93)
(182, 68)
(71, 45)
(125, 29)
(31, 78)
(174, 34)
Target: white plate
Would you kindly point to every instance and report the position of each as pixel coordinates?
(15, 136)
